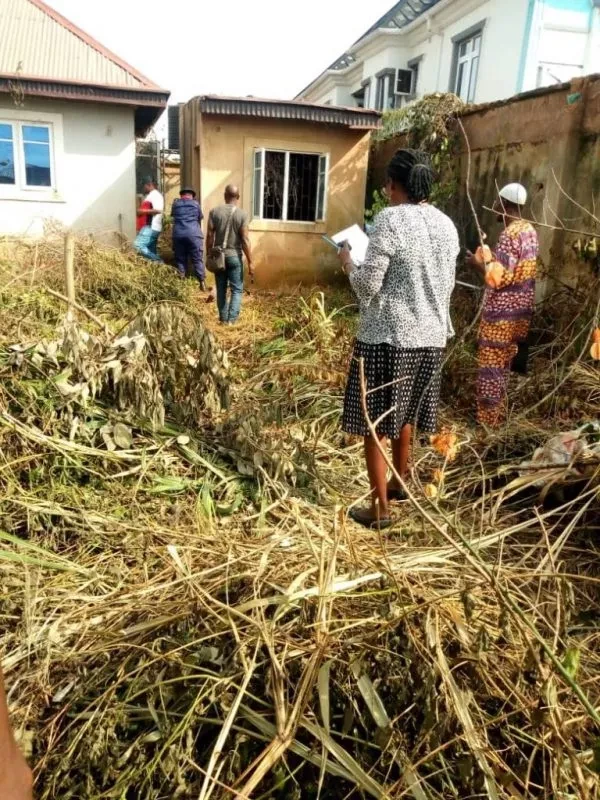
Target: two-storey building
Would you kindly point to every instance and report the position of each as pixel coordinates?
(482, 50)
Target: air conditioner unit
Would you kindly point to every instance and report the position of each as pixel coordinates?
(404, 81)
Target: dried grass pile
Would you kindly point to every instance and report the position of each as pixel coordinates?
(185, 611)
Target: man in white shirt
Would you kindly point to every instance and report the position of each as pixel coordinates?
(149, 248)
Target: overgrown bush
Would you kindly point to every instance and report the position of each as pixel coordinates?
(426, 125)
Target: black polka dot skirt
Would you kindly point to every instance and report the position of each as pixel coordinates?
(403, 388)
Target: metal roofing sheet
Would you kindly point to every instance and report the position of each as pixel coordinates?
(38, 42)
(72, 91)
(289, 109)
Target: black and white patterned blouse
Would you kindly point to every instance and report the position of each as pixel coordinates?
(407, 278)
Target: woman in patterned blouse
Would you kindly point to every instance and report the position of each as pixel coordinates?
(509, 302)
(403, 287)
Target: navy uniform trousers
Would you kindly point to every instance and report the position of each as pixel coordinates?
(186, 249)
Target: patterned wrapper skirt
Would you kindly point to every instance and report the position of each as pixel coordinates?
(402, 381)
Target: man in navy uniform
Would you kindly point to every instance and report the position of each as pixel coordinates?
(188, 241)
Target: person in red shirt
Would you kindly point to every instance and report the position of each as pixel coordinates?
(141, 219)
(142, 243)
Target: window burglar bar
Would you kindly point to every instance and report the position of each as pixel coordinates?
(289, 186)
(274, 187)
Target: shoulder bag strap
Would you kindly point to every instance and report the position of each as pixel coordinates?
(228, 229)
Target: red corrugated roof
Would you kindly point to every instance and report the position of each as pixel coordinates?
(39, 43)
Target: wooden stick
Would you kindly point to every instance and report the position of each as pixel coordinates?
(81, 308)
(70, 273)
(547, 225)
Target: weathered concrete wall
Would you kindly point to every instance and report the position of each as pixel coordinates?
(189, 145)
(172, 179)
(547, 140)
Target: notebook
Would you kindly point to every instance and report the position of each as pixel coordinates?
(357, 239)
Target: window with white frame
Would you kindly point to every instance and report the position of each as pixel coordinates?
(561, 56)
(385, 90)
(368, 94)
(26, 155)
(414, 66)
(467, 52)
(290, 186)
(550, 74)
(380, 92)
(361, 96)
(564, 45)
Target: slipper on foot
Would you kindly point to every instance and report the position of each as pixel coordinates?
(364, 517)
(396, 495)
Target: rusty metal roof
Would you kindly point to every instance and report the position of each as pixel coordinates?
(38, 42)
(289, 110)
(147, 104)
(70, 91)
(45, 55)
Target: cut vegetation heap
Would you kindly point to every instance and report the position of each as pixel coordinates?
(187, 613)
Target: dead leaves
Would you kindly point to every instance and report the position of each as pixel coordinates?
(595, 348)
(431, 491)
(446, 444)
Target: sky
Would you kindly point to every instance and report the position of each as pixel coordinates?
(267, 48)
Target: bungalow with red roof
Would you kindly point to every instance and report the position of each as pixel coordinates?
(70, 111)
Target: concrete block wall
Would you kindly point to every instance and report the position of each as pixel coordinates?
(549, 140)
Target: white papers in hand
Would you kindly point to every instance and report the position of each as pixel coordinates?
(358, 241)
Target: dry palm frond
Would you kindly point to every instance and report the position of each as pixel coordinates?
(186, 611)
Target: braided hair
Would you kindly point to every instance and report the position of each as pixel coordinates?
(412, 170)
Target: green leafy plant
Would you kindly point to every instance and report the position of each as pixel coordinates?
(427, 125)
(379, 202)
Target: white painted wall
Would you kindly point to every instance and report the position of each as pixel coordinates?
(324, 98)
(95, 171)
(593, 53)
(501, 48)
(343, 96)
(430, 67)
(564, 43)
(391, 56)
(509, 60)
(336, 95)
